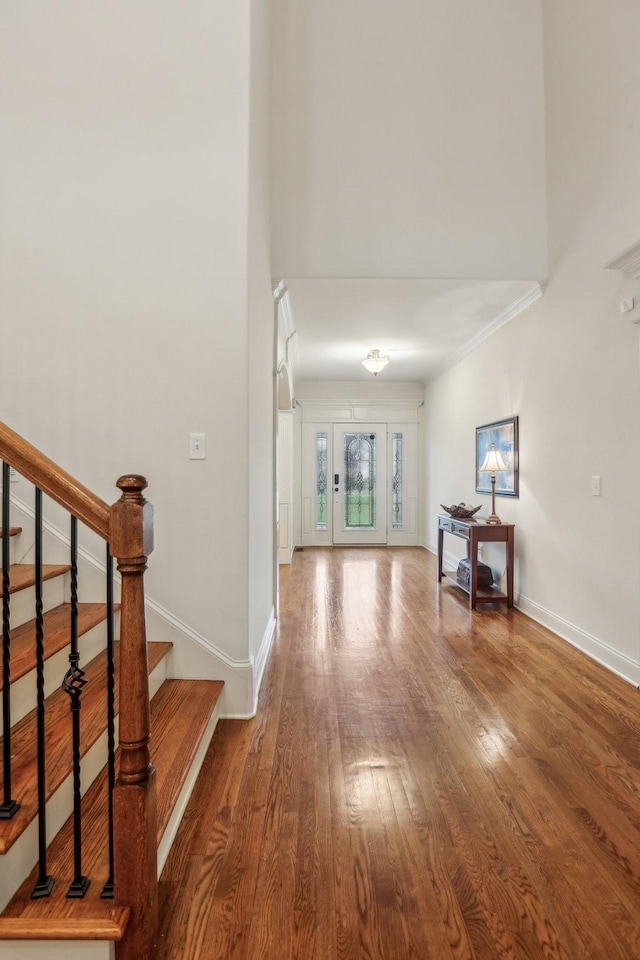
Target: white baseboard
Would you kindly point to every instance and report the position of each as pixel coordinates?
(57, 551)
(260, 660)
(193, 656)
(599, 651)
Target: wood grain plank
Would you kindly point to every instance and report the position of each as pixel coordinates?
(178, 731)
(13, 531)
(188, 705)
(57, 624)
(109, 924)
(58, 741)
(23, 575)
(421, 782)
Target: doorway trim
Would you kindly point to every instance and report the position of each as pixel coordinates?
(315, 416)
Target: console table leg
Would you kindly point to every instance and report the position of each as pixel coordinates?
(472, 546)
(510, 552)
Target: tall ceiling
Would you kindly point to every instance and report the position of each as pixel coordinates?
(407, 153)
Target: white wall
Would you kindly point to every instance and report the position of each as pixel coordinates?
(261, 347)
(569, 366)
(410, 139)
(286, 491)
(124, 276)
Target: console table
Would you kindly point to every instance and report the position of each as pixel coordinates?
(475, 532)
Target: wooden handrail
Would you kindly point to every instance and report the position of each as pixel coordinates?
(54, 481)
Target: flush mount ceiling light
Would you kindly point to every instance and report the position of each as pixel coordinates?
(374, 362)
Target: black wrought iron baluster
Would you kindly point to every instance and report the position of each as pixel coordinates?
(44, 883)
(8, 807)
(108, 890)
(73, 684)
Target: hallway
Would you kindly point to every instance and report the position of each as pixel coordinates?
(420, 783)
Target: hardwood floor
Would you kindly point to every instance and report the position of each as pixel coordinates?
(420, 783)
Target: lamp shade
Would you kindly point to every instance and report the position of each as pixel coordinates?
(493, 462)
(374, 362)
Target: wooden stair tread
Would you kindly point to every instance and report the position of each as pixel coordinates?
(176, 735)
(13, 531)
(23, 575)
(87, 923)
(57, 624)
(58, 740)
(180, 712)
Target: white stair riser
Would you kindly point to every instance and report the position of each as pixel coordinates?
(22, 605)
(23, 691)
(56, 950)
(13, 551)
(19, 861)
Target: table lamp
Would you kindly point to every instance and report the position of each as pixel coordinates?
(493, 463)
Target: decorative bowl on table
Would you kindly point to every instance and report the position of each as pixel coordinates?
(460, 511)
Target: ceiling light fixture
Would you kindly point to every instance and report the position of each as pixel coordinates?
(374, 362)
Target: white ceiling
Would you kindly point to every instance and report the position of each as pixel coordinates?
(422, 325)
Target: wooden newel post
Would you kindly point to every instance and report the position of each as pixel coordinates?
(136, 886)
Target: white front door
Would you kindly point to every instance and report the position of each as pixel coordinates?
(359, 487)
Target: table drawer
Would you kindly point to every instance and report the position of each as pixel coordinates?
(445, 524)
(460, 528)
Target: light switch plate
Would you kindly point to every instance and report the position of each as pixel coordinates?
(196, 446)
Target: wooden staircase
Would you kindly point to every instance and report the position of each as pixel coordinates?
(182, 715)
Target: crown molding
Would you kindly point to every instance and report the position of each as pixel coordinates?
(508, 314)
(628, 262)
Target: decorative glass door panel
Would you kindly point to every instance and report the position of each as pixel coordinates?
(321, 480)
(359, 483)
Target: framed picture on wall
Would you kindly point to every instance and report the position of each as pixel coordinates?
(504, 433)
